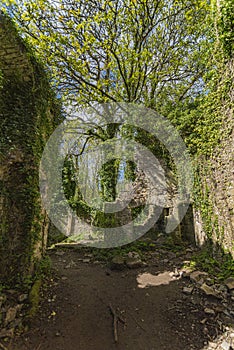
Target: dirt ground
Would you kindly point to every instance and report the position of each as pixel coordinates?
(75, 311)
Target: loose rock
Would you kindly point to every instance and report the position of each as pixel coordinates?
(5, 333)
(197, 275)
(209, 290)
(22, 298)
(209, 311)
(133, 263)
(10, 315)
(229, 282)
(225, 345)
(117, 263)
(187, 290)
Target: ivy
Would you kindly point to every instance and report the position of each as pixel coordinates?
(29, 113)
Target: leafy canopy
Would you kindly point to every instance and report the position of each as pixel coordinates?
(144, 51)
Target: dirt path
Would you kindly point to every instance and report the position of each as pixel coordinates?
(75, 313)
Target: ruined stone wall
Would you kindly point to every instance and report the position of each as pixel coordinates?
(214, 213)
(218, 196)
(27, 114)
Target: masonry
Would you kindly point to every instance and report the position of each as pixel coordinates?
(214, 214)
(217, 184)
(28, 115)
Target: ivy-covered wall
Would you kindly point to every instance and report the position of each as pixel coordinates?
(214, 190)
(28, 114)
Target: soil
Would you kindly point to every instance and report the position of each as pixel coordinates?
(75, 311)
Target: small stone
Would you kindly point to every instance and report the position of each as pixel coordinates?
(10, 315)
(229, 282)
(57, 334)
(133, 255)
(187, 290)
(64, 278)
(22, 298)
(209, 290)
(209, 281)
(219, 308)
(222, 288)
(177, 273)
(212, 345)
(86, 261)
(203, 321)
(88, 255)
(225, 345)
(5, 333)
(60, 253)
(197, 275)
(209, 311)
(189, 250)
(70, 265)
(133, 263)
(117, 263)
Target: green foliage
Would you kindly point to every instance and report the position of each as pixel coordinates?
(34, 298)
(174, 244)
(147, 51)
(171, 56)
(42, 267)
(215, 261)
(54, 236)
(29, 113)
(108, 253)
(1, 79)
(225, 24)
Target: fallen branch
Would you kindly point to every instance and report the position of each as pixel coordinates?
(116, 318)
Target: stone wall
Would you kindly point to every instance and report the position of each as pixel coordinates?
(214, 216)
(27, 114)
(218, 194)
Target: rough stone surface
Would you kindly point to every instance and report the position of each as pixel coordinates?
(188, 290)
(229, 282)
(197, 275)
(10, 315)
(133, 263)
(218, 182)
(23, 104)
(209, 290)
(117, 263)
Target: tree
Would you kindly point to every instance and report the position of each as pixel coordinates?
(145, 51)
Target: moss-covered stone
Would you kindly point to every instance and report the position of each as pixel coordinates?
(28, 113)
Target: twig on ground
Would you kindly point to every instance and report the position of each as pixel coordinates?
(137, 323)
(116, 318)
